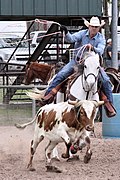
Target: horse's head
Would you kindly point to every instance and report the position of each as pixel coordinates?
(29, 75)
(91, 70)
(37, 70)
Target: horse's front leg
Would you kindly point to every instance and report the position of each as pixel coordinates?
(66, 154)
(55, 154)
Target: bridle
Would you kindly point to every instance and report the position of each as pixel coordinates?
(84, 77)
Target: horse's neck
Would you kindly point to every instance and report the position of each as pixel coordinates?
(43, 73)
(79, 90)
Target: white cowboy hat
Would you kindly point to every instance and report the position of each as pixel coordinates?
(94, 21)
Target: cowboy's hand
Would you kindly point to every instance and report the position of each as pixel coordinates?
(90, 47)
(63, 28)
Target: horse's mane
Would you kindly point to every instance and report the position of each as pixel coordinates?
(88, 54)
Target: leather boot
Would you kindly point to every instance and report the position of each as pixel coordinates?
(109, 108)
(49, 98)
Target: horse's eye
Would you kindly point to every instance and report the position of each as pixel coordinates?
(85, 66)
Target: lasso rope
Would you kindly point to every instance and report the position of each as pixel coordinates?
(41, 21)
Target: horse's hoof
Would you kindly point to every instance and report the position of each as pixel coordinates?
(74, 158)
(53, 169)
(65, 156)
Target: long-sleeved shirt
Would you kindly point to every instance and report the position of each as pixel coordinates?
(81, 38)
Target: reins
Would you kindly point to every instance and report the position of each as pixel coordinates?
(84, 77)
(87, 91)
(80, 52)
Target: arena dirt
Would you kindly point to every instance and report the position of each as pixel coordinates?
(14, 156)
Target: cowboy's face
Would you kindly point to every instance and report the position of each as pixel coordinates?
(93, 30)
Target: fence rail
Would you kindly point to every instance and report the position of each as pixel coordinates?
(20, 108)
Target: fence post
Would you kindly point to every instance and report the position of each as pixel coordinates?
(33, 108)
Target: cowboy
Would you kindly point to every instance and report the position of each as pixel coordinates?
(93, 40)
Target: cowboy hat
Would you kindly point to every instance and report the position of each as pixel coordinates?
(94, 21)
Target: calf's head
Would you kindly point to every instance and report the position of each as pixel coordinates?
(86, 112)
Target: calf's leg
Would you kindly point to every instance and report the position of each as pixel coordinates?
(48, 152)
(88, 154)
(34, 144)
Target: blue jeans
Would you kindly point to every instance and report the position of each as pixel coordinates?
(68, 69)
(64, 73)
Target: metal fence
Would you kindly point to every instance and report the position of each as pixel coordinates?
(15, 106)
(20, 108)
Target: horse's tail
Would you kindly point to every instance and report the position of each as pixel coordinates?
(22, 126)
(36, 95)
(36, 90)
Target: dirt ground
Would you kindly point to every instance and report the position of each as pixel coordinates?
(14, 156)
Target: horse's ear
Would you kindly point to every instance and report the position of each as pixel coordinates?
(27, 65)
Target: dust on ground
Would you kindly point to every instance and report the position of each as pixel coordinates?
(14, 156)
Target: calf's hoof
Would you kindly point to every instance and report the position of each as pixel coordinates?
(55, 159)
(73, 158)
(53, 169)
(65, 156)
(30, 168)
(87, 158)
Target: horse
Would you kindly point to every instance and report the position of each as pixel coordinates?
(114, 75)
(87, 93)
(84, 86)
(42, 71)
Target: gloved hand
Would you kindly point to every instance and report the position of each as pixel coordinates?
(63, 28)
(90, 47)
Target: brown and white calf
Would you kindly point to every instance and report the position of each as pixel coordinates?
(63, 122)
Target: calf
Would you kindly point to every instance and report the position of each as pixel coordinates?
(67, 122)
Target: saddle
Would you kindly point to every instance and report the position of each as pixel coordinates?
(114, 75)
